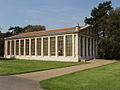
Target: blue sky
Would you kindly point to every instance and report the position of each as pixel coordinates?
(51, 13)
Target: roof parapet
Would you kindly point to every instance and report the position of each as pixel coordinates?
(84, 27)
(77, 28)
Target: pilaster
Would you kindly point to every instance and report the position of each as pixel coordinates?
(49, 46)
(56, 46)
(64, 45)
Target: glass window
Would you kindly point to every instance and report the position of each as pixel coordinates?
(17, 47)
(27, 46)
(8, 48)
(12, 47)
(88, 46)
(60, 46)
(92, 47)
(52, 46)
(69, 45)
(45, 46)
(32, 46)
(22, 47)
(38, 46)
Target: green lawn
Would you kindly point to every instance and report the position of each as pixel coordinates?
(8, 67)
(101, 78)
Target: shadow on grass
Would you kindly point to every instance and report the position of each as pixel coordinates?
(2, 58)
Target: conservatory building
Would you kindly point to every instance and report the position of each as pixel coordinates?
(65, 44)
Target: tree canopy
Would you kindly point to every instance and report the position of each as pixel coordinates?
(29, 28)
(106, 21)
(17, 30)
(97, 16)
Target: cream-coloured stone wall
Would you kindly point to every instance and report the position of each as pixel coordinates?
(73, 58)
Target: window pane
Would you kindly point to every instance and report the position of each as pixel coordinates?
(60, 46)
(27, 46)
(52, 46)
(32, 46)
(12, 47)
(8, 48)
(17, 47)
(38, 46)
(92, 47)
(45, 46)
(69, 45)
(22, 47)
(88, 46)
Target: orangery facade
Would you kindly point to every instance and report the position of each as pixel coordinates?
(65, 44)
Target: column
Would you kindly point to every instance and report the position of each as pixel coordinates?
(15, 47)
(56, 46)
(5, 48)
(42, 46)
(76, 50)
(73, 46)
(49, 46)
(79, 46)
(29, 46)
(24, 47)
(96, 48)
(87, 46)
(93, 48)
(19, 48)
(10, 48)
(83, 48)
(35, 46)
(64, 45)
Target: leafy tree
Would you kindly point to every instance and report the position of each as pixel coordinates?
(16, 30)
(106, 21)
(110, 44)
(29, 28)
(97, 15)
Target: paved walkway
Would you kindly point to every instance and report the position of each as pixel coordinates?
(43, 75)
(17, 83)
(30, 81)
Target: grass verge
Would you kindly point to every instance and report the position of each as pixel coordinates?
(105, 77)
(9, 67)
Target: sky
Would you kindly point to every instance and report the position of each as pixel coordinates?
(50, 13)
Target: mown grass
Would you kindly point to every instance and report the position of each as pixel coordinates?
(8, 67)
(105, 77)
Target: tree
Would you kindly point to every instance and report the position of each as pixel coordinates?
(106, 21)
(31, 28)
(16, 30)
(110, 44)
(97, 15)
